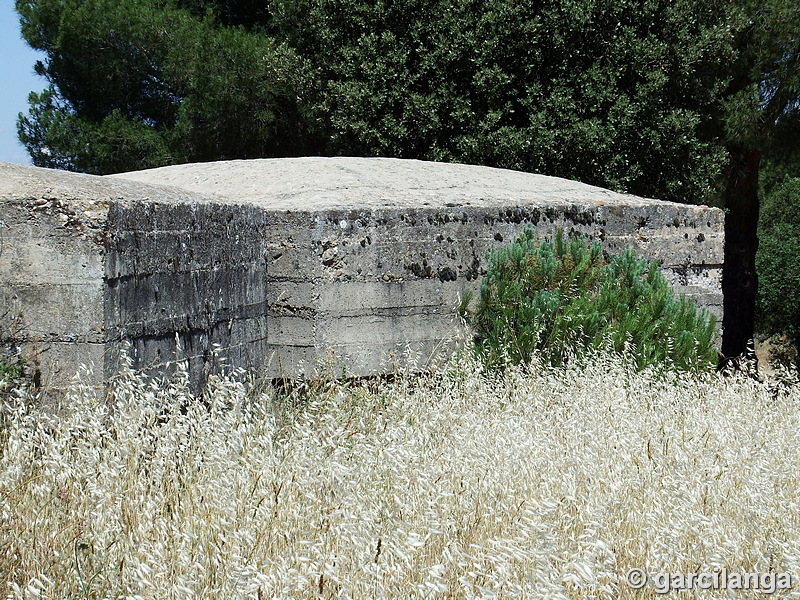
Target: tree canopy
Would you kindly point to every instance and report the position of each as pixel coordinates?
(760, 117)
(614, 93)
(137, 84)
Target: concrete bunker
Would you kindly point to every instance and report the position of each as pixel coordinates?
(275, 263)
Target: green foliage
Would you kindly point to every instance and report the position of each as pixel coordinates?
(611, 93)
(616, 93)
(12, 369)
(138, 84)
(561, 298)
(12, 364)
(758, 117)
(777, 262)
(761, 108)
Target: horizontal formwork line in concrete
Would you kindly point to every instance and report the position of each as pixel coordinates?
(388, 311)
(182, 324)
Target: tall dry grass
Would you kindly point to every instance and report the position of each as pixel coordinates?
(542, 484)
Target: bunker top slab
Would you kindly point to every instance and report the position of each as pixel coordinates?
(317, 183)
(80, 198)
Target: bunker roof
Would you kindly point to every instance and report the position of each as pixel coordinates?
(316, 183)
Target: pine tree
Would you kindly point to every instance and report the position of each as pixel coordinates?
(761, 115)
(137, 84)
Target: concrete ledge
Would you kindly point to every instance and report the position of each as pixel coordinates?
(276, 262)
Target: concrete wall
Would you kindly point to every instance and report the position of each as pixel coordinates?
(284, 262)
(188, 274)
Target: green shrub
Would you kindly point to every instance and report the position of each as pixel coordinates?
(12, 368)
(561, 298)
(12, 364)
(777, 265)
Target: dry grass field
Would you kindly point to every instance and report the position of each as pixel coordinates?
(540, 484)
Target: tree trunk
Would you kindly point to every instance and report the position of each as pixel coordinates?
(739, 280)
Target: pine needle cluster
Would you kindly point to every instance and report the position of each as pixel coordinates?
(563, 297)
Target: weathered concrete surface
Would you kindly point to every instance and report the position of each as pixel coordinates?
(89, 263)
(280, 261)
(369, 256)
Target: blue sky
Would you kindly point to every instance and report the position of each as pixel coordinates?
(18, 80)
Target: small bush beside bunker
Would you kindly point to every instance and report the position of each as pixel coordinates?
(562, 297)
